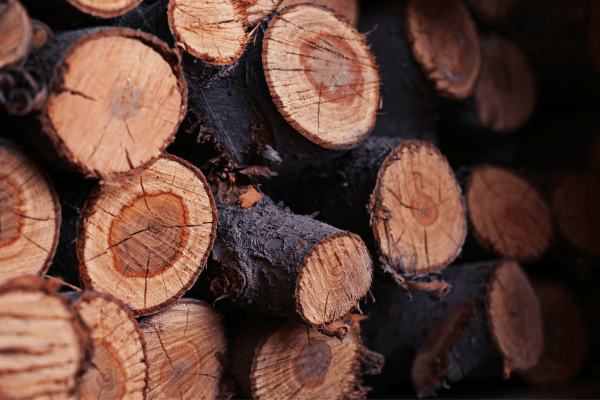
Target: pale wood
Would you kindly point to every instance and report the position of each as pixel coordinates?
(119, 368)
(15, 32)
(187, 351)
(44, 345)
(418, 214)
(260, 9)
(212, 30)
(505, 93)
(321, 76)
(29, 215)
(349, 9)
(491, 11)
(105, 8)
(509, 215)
(146, 240)
(445, 42)
(127, 110)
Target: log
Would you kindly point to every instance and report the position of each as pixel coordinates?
(401, 197)
(575, 207)
(45, 345)
(491, 11)
(146, 240)
(282, 359)
(349, 9)
(119, 366)
(187, 351)
(566, 337)
(126, 118)
(296, 91)
(29, 215)
(16, 32)
(273, 261)
(105, 9)
(260, 9)
(508, 215)
(497, 330)
(79, 12)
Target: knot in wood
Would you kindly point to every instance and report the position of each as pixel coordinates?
(312, 363)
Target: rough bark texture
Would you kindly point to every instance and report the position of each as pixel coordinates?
(16, 32)
(274, 261)
(308, 364)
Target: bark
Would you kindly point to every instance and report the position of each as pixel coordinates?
(308, 364)
(277, 262)
(16, 33)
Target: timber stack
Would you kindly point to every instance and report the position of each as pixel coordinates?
(275, 199)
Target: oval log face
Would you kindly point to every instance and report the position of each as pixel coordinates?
(146, 240)
(15, 33)
(445, 42)
(105, 8)
(322, 76)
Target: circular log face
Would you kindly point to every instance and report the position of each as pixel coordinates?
(127, 111)
(186, 350)
(260, 9)
(418, 214)
(575, 206)
(505, 91)
(491, 11)
(146, 240)
(105, 8)
(321, 75)
(29, 215)
(335, 275)
(119, 367)
(445, 42)
(15, 32)
(349, 9)
(565, 335)
(212, 30)
(514, 317)
(309, 364)
(509, 216)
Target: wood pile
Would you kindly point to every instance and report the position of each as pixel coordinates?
(357, 199)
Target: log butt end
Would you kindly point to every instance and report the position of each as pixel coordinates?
(105, 9)
(16, 33)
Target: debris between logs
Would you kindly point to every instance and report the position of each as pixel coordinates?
(45, 344)
(147, 239)
(16, 32)
(349, 9)
(126, 117)
(187, 352)
(29, 215)
(282, 359)
(401, 197)
(119, 366)
(277, 262)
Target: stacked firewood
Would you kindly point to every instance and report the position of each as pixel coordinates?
(279, 199)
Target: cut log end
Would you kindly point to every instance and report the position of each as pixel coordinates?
(127, 116)
(44, 344)
(514, 317)
(29, 215)
(575, 206)
(41, 36)
(214, 30)
(326, 85)
(260, 9)
(349, 9)
(15, 32)
(508, 215)
(445, 42)
(119, 366)
(566, 338)
(491, 11)
(418, 215)
(146, 240)
(336, 274)
(505, 92)
(106, 8)
(187, 351)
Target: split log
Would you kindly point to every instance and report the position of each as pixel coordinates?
(309, 87)
(119, 367)
(29, 215)
(187, 351)
(260, 9)
(566, 338)
(509, 216)
(282, 359)
(146, 240)
(498, 329)
(16, 32)
(401, 197)
(575, 206)
(44, 344)
(277, 262)
(491, 11)
(125, 118)
(349, 9)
